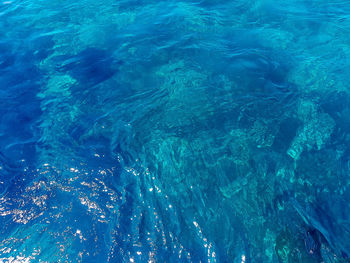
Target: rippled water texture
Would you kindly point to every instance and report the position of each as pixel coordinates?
(175, 131)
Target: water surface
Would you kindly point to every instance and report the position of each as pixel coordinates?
(174, 131)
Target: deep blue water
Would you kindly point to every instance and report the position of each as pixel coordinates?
(175, 131)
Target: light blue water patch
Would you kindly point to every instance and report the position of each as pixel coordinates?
(147, 131)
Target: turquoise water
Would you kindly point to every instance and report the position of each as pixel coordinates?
(175, 131)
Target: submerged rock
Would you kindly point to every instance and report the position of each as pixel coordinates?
(315, 132)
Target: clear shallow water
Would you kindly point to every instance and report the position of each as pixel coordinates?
(147, 131)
